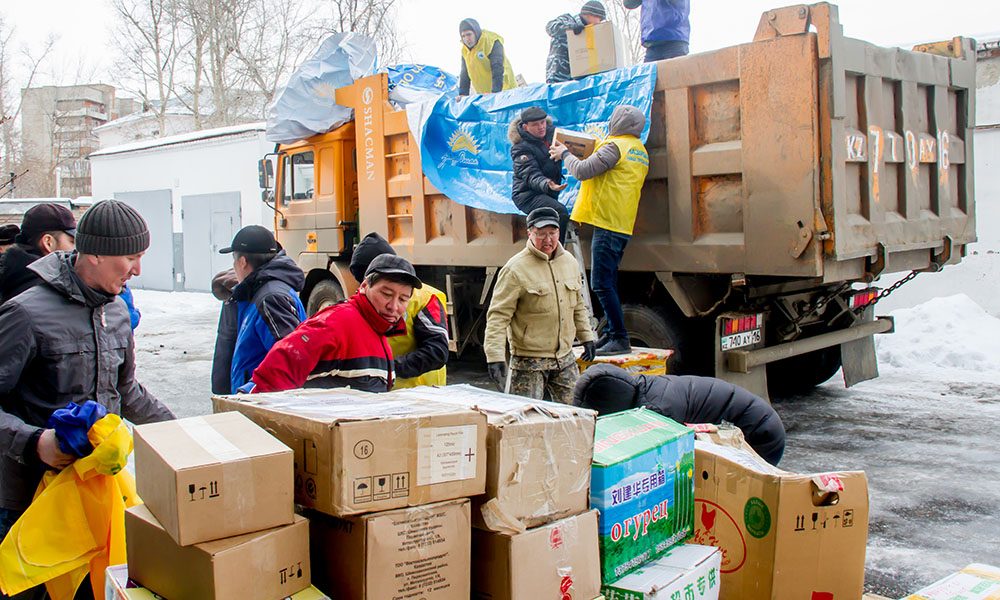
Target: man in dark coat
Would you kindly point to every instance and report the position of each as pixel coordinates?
(557, 64)
(537, 178)
(45, 228)
(66, 340)
(263, 307)
(7, 234)
(685, 399)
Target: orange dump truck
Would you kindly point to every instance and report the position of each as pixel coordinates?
(786, 175)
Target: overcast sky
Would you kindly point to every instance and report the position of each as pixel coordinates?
(430, 27)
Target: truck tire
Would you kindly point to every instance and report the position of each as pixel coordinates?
(325, 293)
(650, 327)
(800, 374)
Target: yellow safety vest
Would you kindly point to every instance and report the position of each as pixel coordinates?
(611, 200)
(477, 63)
(404, 344)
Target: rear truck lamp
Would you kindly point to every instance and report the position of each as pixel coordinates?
(864, 297)
(741, 331)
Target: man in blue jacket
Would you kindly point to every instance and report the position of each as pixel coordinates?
(665, 27)
(264, 307)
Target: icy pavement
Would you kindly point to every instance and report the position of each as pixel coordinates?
(924, 432)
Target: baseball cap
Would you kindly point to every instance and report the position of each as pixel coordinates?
(543, 217)
(390, 264)
(43, 217)
(252, 239)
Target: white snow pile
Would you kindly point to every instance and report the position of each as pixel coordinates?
(951, 332)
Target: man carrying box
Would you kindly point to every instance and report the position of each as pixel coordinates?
(538, 178)
(538, 300)
(609, 199)
(344, 345)
(557, 64)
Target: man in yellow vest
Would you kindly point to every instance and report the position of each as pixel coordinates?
(609, 198)
(484, 62)
(420, 339)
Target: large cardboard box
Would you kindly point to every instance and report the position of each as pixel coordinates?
(420, 553)
(782, 535)
(598, 48)
(579, 144)
(642, 484)
(557, 560)
(118, 586)
(974, 582)
(685, 571)
(358, 452)
(265, 565)
(213, 477)
(537, 456)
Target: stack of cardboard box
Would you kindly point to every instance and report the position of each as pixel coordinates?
(385, 481)
(218, 520)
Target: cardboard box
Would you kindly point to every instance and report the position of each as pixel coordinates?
(212, 477)
(782, 535)
(640, 361)
(642, 483)
(537, 457)
(118, 586)
(974, 582)
(579, 144)
(558, 560)
(420, 552)
(265, 565)
(358, 452)
(685, 571)
(598, 48)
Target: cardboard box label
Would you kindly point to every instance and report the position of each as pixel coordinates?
(688, 572)
(974, 582)
(446, 454)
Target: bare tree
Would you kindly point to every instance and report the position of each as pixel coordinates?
(374, 18)
(628, 22)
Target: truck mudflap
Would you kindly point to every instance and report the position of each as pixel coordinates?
(746, 365)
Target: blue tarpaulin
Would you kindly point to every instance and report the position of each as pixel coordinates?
(463, 142)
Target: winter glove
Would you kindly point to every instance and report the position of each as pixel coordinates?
(578, 28)
(589, 351)
(498, 373)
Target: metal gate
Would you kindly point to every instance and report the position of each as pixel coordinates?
(209, 221)
(158, 263)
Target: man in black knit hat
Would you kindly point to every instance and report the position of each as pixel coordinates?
(557, 64)
(66, 340)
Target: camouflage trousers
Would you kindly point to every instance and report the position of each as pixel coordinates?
(530, 377)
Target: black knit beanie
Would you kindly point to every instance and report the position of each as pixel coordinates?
(594, 8)
(365, 252)
(605, 388)
(111, 228)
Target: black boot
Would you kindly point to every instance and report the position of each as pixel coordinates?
(614, 347)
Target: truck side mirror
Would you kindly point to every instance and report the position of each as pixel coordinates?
(265, 174)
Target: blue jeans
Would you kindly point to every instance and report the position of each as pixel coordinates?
(665, 50)
(606, 250)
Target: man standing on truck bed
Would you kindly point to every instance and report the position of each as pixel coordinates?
(665, 27)
(538, 307)
(263, 307)
(419, 340)
(557, 64)
(609, 199)
(538, 178)
(344, 345)
(484, 62)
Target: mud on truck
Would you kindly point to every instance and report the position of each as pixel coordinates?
(788, 176)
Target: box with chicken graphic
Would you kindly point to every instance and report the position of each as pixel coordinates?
(642, 484)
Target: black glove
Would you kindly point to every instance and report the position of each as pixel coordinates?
(498, 373)
(589, 351)
(578, 29)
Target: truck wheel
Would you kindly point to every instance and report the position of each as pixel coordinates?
(325, 293)
(800, 374)
(650, 327)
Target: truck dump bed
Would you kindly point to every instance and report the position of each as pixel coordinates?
(802, 154)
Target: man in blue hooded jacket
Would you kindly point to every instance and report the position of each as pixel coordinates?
(264, 307)
(665, 27)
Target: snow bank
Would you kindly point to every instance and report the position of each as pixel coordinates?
(951, 332)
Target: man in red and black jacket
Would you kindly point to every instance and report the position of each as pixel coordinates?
(344, 345)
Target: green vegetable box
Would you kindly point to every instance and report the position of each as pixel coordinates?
(642, 484)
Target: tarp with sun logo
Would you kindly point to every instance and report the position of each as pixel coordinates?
(463, 141)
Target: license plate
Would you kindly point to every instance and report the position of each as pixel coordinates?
(738, 340)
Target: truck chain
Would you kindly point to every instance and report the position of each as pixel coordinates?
(885, 293)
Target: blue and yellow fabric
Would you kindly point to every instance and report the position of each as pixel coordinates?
(75, 525)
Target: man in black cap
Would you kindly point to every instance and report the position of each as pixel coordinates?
(45, 228)
(557, 64)
(344, 345)
(538, 307)
(538, 178)
(66, 340)
(263, 308)
(7, 234)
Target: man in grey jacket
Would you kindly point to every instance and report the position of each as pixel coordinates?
(69, 339)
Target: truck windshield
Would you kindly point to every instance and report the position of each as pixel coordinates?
(299, 175)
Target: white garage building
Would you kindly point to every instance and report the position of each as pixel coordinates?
(196, 190)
